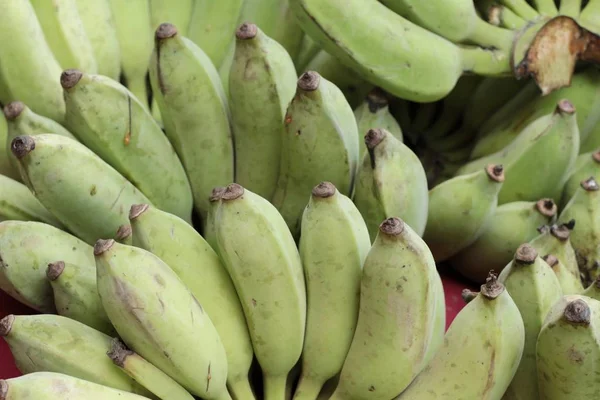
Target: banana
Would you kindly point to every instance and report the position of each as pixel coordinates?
(209, 229)
(593, 291)
(126, 136)
(58, 171)
(308, 50)
(100, 29)
(374, 112)
(481, 351)
(522, 8)
(512, 224)
(59, 344)
(213, 25)
(26, 248)
(538, 161)
(32, 74)
(427, 75)
(6, 167)
(568, 350)
(261, 85)
(183, 78)
(124, 235)
(145, 373)
(320, 143)
(76, 295)
(177, 13)
(460, 210)
(570, 8)
(586, 165)
(504, 17)
(534, 288)
(391, 182)
(334, 243)
(17, 203)
(144, 300)
(199, 267)
(266, 271)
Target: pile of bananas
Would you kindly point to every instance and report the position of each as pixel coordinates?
(251, 199)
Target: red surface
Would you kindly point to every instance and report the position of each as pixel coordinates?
(453, 286)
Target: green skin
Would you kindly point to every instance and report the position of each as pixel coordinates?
(100, 29)
(593, 291)
(534, 289)
(6, 163)
(209, 233)
(65, 34)
(17, 203)
(86, 194)
(51, 385)
(178, 13)
(512, 224)
(26, 248)
(370, 115)
(568, 354)
(199, 267)
(76, 297)
(333, 246)
(261, 85)
(571, 8)
(31, 76)
(144, 300)
(585, 166)
(396, 320)
(267, 273)
(308, 50)
(391, 182)
(522, 8)
(59, 344)
(183, 78)
(126, 136)
(480, 354)
(589, 17)
(548, 8)
(320, 143)
(460, 210)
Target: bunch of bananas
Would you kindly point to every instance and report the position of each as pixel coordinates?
(250, 199)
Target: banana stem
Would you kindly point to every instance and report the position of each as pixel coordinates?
(546, 7)
(241, 389)
(308, 388)
(275, 387)
(570, 8)
(507, 18)
(521, 8)
(488, 35)
(485, 62)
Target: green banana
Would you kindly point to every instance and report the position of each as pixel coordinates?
(320, 143)
(261, 85)
(390, 182)
(87, 195)
(213, 25)
(26, 248)
(534, 288)
(428, 74)
(481, 350)
(593, 291)
(144, 300)
(538, 161)
(178, 13)
(512, 224)
(334, 243)
(182, 78)
(199, 267)
(59, 344)
(51, 386)
(100, 29)
(209, 229)
(398, 284)
(6, 167)
(586, 165)
(267, 274)
(308, 50)
(568, 350)
(76, 295)
(570, 8)
(31, 74)
(17, 203)
(461, 209)
(126, 136)
(145, 373)
(374, 112)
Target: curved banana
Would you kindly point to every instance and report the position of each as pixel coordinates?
(374, 112)
(586, 165)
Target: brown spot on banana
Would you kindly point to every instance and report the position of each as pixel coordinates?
(6, 324)
(21, 146)
(13, 109)
(118, 352)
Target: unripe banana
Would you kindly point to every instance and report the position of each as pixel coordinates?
(320, 143)
(593, 291)
(26, 248)
(534, 288)
(398, 285)
(209, 231)
(373, 113)
(76, 295)
(390, 182)
(460, 210)
(144, 299)
(59, 344)
(481, 351)
(85, 193)
(266, 271)
(126, 136)
(199, 267)
(178, 13)
(512, 224)
(334, 243)
(145, 373)
(586, 165)
(6, 167)
(32, 74)
(183, 78)
(262, 82)
(568, 350)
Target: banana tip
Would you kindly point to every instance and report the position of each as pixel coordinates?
(596, 156)
(309, 81)
(561, 232)
(3, 389)
(102, 246)
(578, 312)
(374, 137)
(6, 324)
(165, 31)
(376, 100)
(70, 77)
(565, 107)
(123, 232)
(324, 190)
(136, 210)
(546, 207)
(495, 172)
(590, 184)
(232, 191)
(525, 254)
(550, 259)
(246, 31)
(22, 145)
(392, 226)
(216, 194)
(13, 109)
(492, 288)
(54, 270)
(118, 352)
